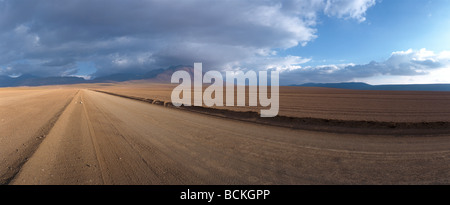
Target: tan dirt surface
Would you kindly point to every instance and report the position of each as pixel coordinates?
(105, 139)
(327, 103)
(26, 115)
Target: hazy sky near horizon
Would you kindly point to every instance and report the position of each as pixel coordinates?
(373, 41)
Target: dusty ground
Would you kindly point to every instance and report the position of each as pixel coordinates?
(25, 117)
(326, 103)
(104, 139)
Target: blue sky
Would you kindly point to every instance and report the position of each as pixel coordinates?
(373, 41)
(390, 25)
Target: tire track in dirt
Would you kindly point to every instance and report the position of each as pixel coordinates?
(434, 128)
(124, 141)
(223, 151)
(100, 160)
(33, 145)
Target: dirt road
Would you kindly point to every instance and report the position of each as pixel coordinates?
(104, 139)
(26, 115)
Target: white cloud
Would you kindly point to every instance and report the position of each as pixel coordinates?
(355, 9)
(288, 63)
(444, 55)
(410, 66)
(86, 77)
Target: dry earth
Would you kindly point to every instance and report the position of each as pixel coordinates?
(327, 103)
(79, 136)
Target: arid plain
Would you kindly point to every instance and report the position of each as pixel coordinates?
(78, 135)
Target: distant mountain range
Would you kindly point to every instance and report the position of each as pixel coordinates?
(30, 80)
(164, 76)
(157, 75)
(365, 86)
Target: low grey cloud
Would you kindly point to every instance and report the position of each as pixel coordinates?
(401, 63)
(49, 37)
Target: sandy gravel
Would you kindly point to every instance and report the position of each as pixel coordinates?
(327, 103)
(25, 116)
(105, 139)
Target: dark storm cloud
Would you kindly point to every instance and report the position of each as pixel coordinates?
(48, 37)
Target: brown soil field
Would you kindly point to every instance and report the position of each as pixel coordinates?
(327, 103)
(74, 135)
